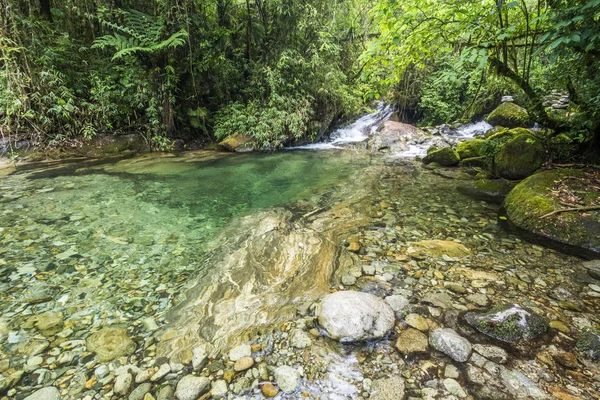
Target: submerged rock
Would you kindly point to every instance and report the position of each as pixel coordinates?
(352, 316)
(47, 393)
(510, 323)
(437, 248)
(412, 341)
(531, 200)
(445, 156)
(519, 158)
(110, 343)
(287, 379)
(492, 190)
(509, 115)
(450, 343)
(589, 343)
(593, 268)
(391, 388)
(190, 387)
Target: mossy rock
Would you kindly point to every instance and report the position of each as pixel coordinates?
(238, 143)
(471, 148)
(475, 162)
(530, 200)
(519, 157)
(445, 156)
(510, 323)
(510, 133)
(589, 343)
(492, 190)
(509, 115)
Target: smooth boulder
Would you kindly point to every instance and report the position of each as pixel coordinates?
(471, 148)
(351, 316)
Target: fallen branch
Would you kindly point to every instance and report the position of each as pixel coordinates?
(562, 210)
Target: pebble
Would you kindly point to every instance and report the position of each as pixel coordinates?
(450, 343)
(140, 392)
(299, 339)
(47, 393)
(492, 353)
(243, 364)
(240, 351)
(123, 384)
(412, 341)
(453, 387)
(287, 379)
(269, 390)
(190, 387)
(163, 370)
(218, 389)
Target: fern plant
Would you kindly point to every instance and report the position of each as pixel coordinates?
(140, 33)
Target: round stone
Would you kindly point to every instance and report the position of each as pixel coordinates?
(269, 390)
(287, 379)
(352, 316)
(243, 364)
(299, 339)
(412, 341)
(218, 389)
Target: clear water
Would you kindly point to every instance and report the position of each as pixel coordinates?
(115, 243)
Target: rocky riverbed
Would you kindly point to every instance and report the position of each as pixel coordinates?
(455, 306)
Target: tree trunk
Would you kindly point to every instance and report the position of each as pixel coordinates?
(536, 101)
(45, 10)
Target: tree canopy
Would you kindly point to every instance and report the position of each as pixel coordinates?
(282, 70)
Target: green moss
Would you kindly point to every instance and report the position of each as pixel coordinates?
(237, 143)
(471, 148)
(445, 156)
(527, 203)
(475, 162)
(519, 157)
(509, 115)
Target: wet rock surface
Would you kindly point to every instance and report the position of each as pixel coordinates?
(511, 323)
(353, 316)
(75, 291)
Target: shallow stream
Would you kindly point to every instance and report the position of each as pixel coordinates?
(218, 248)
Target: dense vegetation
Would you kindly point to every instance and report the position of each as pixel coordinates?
(281, 70)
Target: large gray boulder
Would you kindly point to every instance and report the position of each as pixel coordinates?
(395, 137)
(353, 316)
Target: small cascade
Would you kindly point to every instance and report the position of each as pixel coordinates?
(356, 132)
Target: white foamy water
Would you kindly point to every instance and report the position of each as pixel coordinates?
(356, 132)
(366, 125)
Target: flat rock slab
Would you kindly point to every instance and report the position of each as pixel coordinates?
(354, 316)
(110, 343)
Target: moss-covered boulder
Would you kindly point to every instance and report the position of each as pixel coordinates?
(519, 157)
(510, 323)
(509, 115)
(445, 156)
(492, 190)
(529, 204)
(471, 148)
(238, 143)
